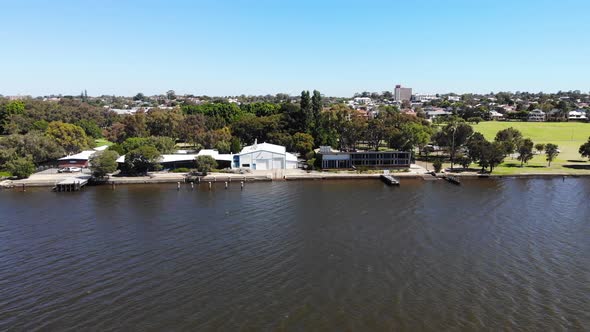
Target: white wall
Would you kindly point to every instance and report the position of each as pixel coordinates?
(263, 160)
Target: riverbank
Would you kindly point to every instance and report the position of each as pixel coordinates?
(305, 176)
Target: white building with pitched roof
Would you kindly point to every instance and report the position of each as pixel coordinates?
(264, 156)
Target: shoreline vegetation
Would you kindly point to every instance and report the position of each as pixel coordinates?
(491, 135)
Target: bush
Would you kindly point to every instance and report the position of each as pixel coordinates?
(362, 169)
(141, 160)
(104, 162)
(437, 164)
(205, 164)
(181, 170)
(20, 167)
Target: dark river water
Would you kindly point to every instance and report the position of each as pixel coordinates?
(299, 256)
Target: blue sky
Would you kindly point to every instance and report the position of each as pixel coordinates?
(259, 47)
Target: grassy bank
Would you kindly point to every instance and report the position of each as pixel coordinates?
(567, 135)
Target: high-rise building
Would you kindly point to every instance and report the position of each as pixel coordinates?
(401, 94)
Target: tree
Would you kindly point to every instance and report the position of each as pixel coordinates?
(161, 143)
(103, 162)
(410, 136)
(539, 147)
(72, 138)
(6, 155)
(316, 109)
(305, 105)
(171, 95)
(464, 161)
(205, 164)
(485, 153)
(141, 160)
(90, 128)
(14, 107)
(476, 145)
(235, 145)
(20, 167)
(551, 151)
(494, 155)
(35, 145)
(525, 151)
(192, 129)
(585, 149)
(135, 125)
(454, 135)
(302, 143)
(475, 119)
(510, 138)
(116, 133)
(163, 123)
(376, 132)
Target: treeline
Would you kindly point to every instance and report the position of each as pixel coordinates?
(465, 147)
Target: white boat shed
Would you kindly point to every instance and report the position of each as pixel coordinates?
(264, 156)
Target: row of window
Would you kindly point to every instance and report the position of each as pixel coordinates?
(400, 155)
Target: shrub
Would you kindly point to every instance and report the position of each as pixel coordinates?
(205, 164)
(437, 164)
(20, 167)
(104, 162)
(181, 170)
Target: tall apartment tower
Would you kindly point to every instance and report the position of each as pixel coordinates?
(401, 94)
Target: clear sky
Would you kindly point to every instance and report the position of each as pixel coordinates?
(257, 47)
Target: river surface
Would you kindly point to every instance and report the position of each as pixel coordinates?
(299, 256)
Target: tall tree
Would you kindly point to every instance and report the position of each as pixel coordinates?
(453, 136)
(305, 104)
(525, 151)
(316, 108)
(509, 138)
(585, 149)
(551, 151)
(72, 138)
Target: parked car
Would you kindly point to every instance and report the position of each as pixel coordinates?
(69, 170)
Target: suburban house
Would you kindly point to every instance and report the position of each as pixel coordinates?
(494, 115)
(435, 113)
(264, 156)
(536, 115)
(372, 159)
(577, 115)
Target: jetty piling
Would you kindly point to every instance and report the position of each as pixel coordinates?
(225, 184)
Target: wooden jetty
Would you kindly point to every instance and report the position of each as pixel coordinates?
(71, 184)
(453, 179)
(390, 180)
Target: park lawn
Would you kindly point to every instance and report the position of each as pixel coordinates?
(102, 142)
(567, 135)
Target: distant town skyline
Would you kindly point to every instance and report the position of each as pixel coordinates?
(219, 48)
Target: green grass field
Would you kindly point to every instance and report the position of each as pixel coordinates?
(567, 135)
(101, 142)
